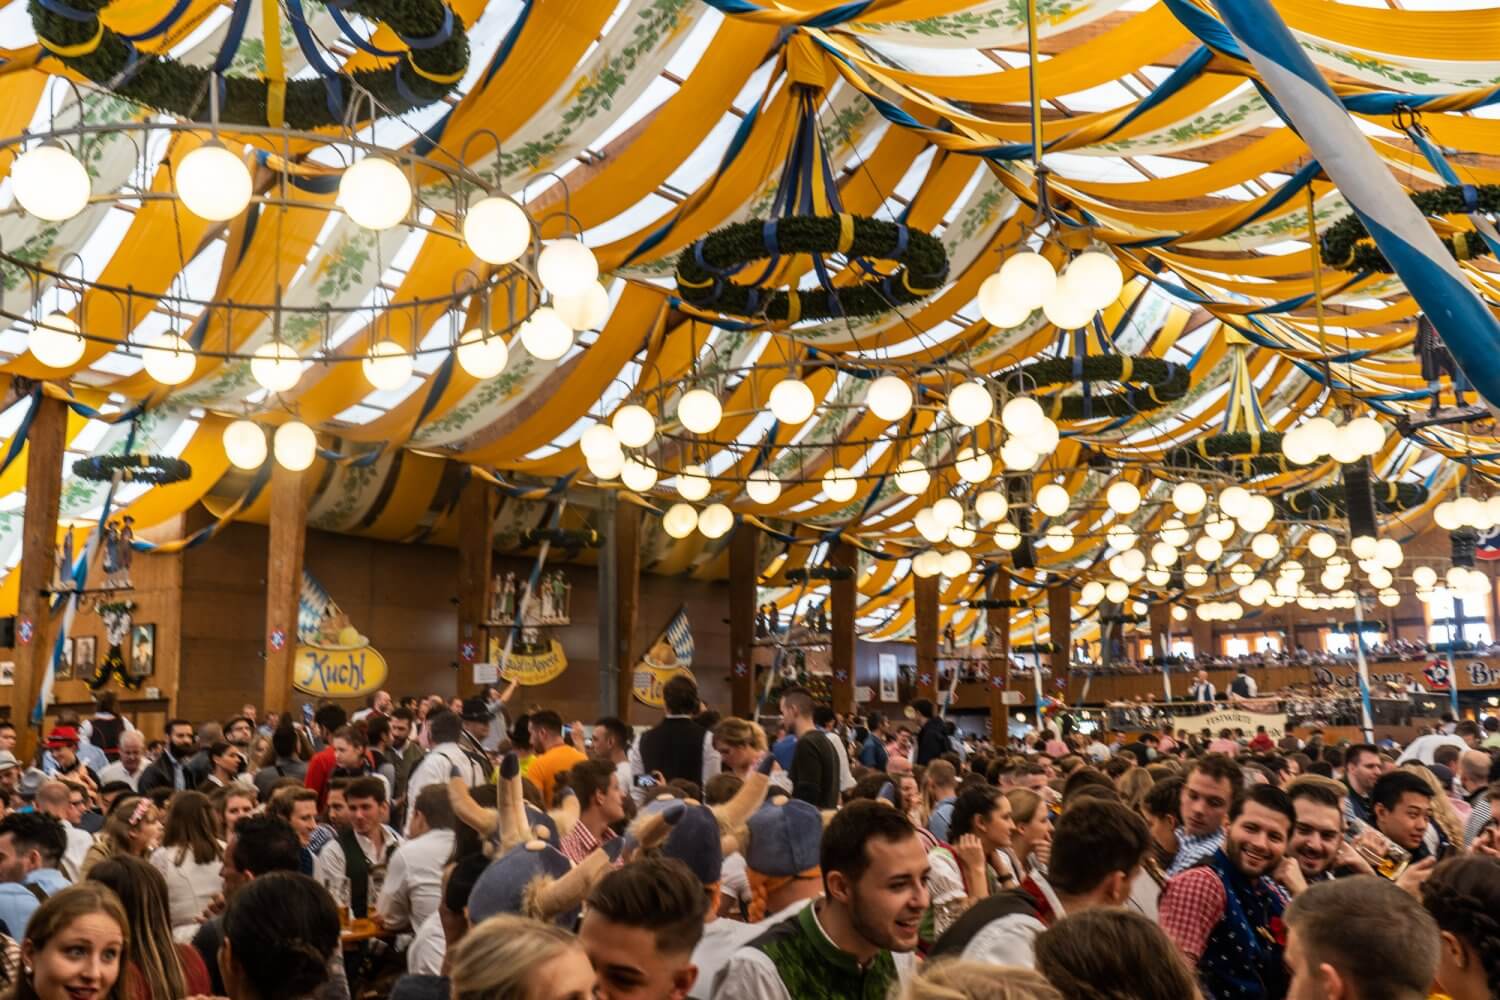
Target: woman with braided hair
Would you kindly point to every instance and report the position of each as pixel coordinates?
(1463, 896)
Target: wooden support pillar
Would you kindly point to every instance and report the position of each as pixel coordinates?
(288, 538)
(997, 631)
(1203, 637)
(1060, 624)
(842, 597)
(925, 594)
(46, 440)
(744, 548)
(1159, 618)
(627, 526)
(476, 520)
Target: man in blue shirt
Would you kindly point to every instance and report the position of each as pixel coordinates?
(872, 752)
(31, 850)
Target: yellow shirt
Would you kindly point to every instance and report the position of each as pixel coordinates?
(547, 766)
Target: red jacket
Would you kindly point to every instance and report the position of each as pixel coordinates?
(318, 770)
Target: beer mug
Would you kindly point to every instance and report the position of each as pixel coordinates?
(1389, 860)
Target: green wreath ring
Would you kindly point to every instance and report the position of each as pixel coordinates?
(158, 470)
(704, 269)
(435, 61)
(1255, 454)
(1156, 383)
(1323, 502)
(1346, 244)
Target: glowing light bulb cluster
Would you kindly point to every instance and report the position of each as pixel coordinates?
(1220, 611)
(1468, 512)
(1319, 437)
(1027, 281)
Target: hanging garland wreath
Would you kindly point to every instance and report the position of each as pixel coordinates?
(433, 64)
(1324, 502)
(704, 269)
(158, 470)
(1251, 454)
(1158, 382)
(1347, 245)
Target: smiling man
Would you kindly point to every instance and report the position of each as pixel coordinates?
(1225, 914)
(855, 941)
(1318, 833)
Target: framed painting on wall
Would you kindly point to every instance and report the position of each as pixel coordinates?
(142, 651)
(64, 663)
(85, 649)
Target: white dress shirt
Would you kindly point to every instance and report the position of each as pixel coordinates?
(414, 880)
(846, 777)
(115, 771)
(712, 763)
(330, 867)
(428, 948)
(79, 842)
(441, 763)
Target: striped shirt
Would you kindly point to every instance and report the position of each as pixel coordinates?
(580, 843)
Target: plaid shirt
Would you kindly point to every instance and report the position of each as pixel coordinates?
(579, 844)
(1191, 849)
(1192, 904)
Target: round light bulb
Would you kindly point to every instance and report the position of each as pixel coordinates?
(1367, 433)
(1096, 274)
(1189, 497)
(889, 398)
(1027, 278)
(1220, 530)
(1380, 577)
(1208, 549)
(545, 335)
(1123, 497)
(1121, 536)
(1092, 593)
(1234, 500)
(1364, 546)
(1116, 592)
(56, 341)
(1059, 538)
(1424, 577)
(1175, 533)
(792, 401)
(991, 506)
(634, 425)
(387, 366)
(1016, 457)
(763, 487)
(1389, 598)
(1044, 437)
(962, 535)
(970, 404)
(1299, 448)
(912, 477)
(275, 366)
(1469, 511)
(482, 355)
(927, 564)
(1022, 415)
(213, 183)
(1455, 577)
(949, 511)
(1322, 544)
(997, 307)
(839, 484)
(1241, 574)
(973, 466)
(1265, 546)
(1158, 577)
(375, 193)
(1446, 516)
(638, 475)
(699, 411)
(679, 520)
(169, 359)
(1343, 448)
(1007, 537)
(1194, 575)
(50, 183)
(566, 267)
(1388, 553)
(584, 310)
(606, 465)
(930, 526)
(599, 439)
(956, 564)
(692, 483)
(715, 520)
(1068, 308)
(497, 229)
(1163, 554)
(245, 445)
(1179, 614)
(1052, 500)
(295, 446)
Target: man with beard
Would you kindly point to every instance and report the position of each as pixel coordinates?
(1226, 913)
(1206, 796)
(1316, 847)
(857, 939)
(170, 769)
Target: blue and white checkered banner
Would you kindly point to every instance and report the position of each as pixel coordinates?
(1465, 324)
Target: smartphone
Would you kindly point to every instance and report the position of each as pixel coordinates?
(307, 713)
(644, 781)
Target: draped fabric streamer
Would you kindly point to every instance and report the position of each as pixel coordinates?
(1467, 326)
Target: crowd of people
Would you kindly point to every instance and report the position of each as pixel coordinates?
(452, 849)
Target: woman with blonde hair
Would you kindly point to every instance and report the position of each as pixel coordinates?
(741, 743)
(84, 919)
(159, 966)
(132, 828)
(513, 958)
(961, 980)
(1134, 785)
(1031, 843)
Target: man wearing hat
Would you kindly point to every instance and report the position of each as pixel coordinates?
(10, 779)
(476, 719)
